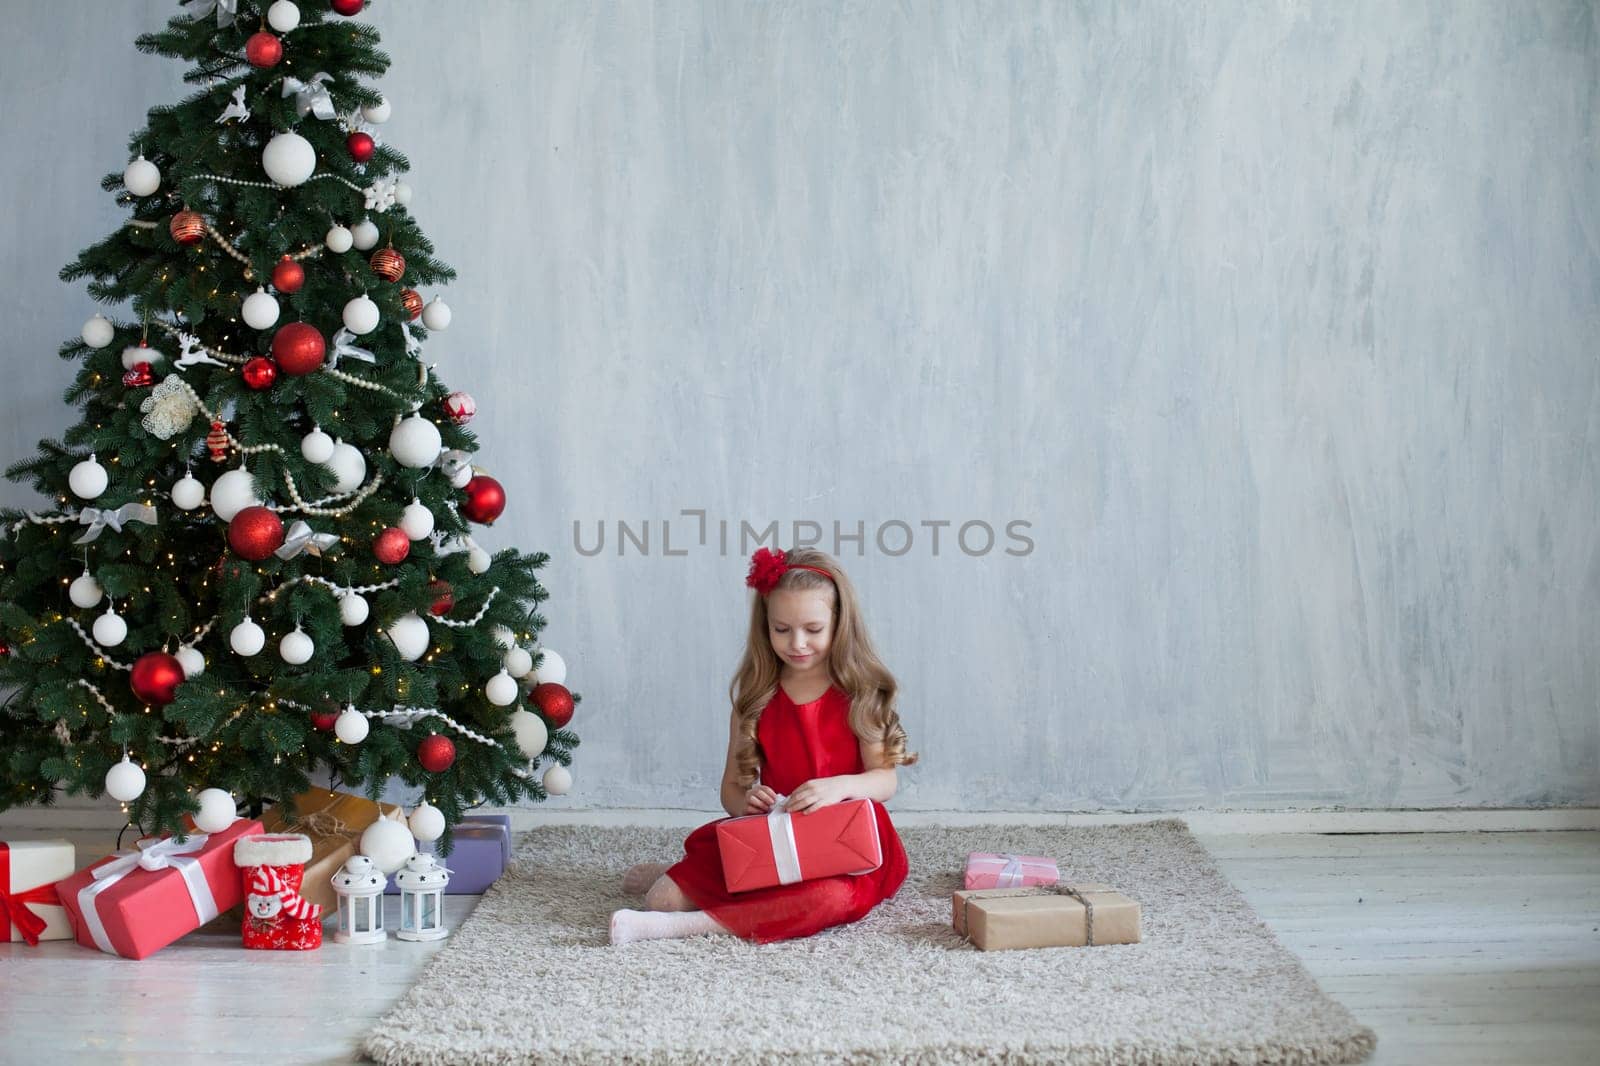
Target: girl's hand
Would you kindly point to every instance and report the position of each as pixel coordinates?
(759, 800)
(818, 792)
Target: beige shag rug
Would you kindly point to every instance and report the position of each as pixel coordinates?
(530, 978)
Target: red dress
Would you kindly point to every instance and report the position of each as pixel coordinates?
(798, 743)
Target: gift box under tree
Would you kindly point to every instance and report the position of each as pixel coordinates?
(1064, 915)
(30, 910)
(480, 847)
(334, 821)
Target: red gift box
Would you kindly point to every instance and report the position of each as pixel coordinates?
(762, 850)
(135, 903)
(986, 869)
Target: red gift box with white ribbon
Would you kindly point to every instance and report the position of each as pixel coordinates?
(762, 850)
(990, 870)
(134, 903)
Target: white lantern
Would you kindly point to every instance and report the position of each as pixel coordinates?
(289, 159)
(260, 310)
(359, 886)
(421, 884)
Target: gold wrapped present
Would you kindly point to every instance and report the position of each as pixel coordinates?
(334, 821)
(1046, 916)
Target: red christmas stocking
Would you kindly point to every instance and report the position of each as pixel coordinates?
(276, 916)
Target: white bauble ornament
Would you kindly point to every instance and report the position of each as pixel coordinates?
(410, 636)
(478, 560)
(351, 727)
(436, 315)
(365, 234)
(109, 629)
(85, 591)
(247, 638)
(125, 781)
(98, 331)
(141, 178)
(501, 690)
(339, 240)
(296, 648)
(402, 193)
(289, 159)
(552, 669)
(353, 609)
(378, 112)
(316, 446)
(217, 810)
(388, 843)
(283, 16)
(531, 732)
(349, 467)
(260, 310)
(558, 780)
(88, 478)
(193, 663)
(517, 662)
(414, 442)
(503, 636)
(457, 466)
(361, 315)
(233, 492)
(416, 520)
(426, 822)
(188, 492)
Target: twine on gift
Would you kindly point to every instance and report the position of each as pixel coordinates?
(323, 823)
(1058, 889)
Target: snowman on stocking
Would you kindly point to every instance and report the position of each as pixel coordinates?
(277, 917)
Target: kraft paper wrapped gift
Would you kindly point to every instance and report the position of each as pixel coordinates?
(134, 903)
(479, 850)
(1067, 915)
(30, 910)
(762, 850)
(334, 821)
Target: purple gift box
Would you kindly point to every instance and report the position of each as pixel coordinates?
(482, 849)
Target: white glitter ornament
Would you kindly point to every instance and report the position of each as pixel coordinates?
(193, 663)
(85, 591)
(188, 492)
(88, 478)
(316, 446)
(416, 520)
(353, 609)
(289, 159)
(125, 781)
(98, 332)
(247, 638)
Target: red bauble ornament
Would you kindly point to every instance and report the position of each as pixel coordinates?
(187, 227)
(155, 678)
(391, 546)
(322, 721)
(259, 373)
(348, 7)
(298, 348)
(139, 376)
(554, 702)
(436, 753)
(255, 533)
(388, 264)
(486, 500)
(411, 300)
(263, 50)
(360, 145)
(288, 276)
(444, 597)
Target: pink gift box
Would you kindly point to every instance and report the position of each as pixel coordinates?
(989, 870)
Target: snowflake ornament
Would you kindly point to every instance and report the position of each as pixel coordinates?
(380, 195)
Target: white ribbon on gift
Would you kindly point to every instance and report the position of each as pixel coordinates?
(154, 855)
(301, 538)
(97, 519)
(225, 9)
(1010, 875)
(344, 345)
(311, 96)
(785, 852)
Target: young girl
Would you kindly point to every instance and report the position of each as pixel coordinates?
(814, 720)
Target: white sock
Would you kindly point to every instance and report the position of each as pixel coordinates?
(628, 926)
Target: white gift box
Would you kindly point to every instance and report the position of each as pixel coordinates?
(30, 865)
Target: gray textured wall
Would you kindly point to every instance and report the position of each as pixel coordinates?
(1276, 321)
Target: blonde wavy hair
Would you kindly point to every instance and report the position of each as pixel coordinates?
(852, 661)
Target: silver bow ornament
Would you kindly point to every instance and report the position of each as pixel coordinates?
(344, 346)
(301, 538)
(97, 519)
(311, 97)
(225, 9)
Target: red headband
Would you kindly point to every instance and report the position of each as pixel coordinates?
(767, 566)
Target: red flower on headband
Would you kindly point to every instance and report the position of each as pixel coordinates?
(766, 567)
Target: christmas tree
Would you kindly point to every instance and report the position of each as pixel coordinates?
(259, 563)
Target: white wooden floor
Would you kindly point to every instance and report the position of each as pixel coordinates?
(1456, 948)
